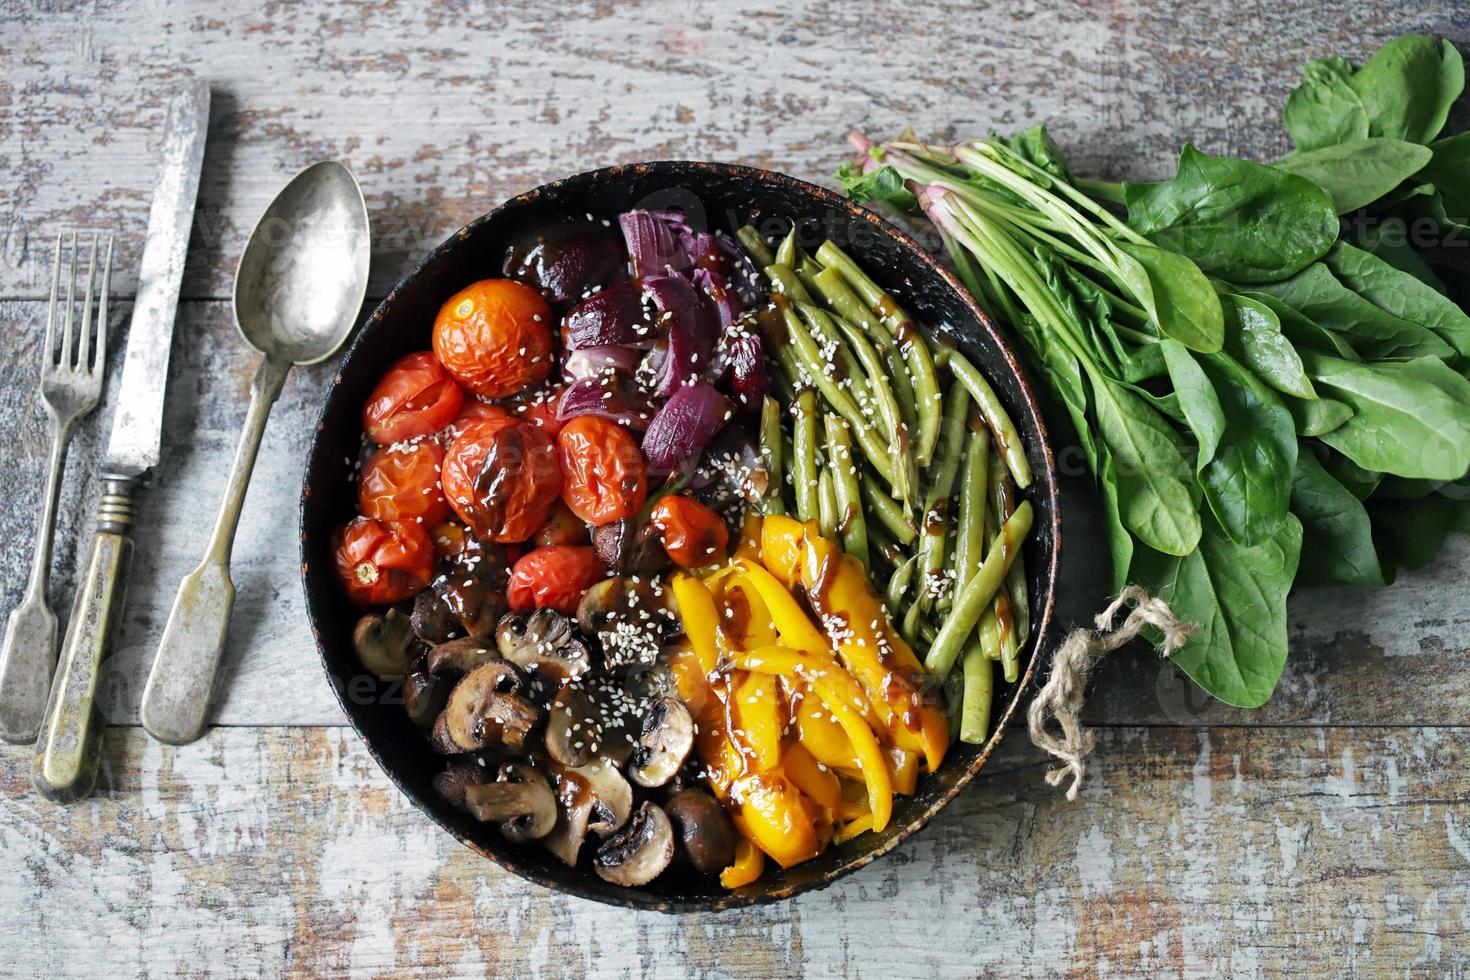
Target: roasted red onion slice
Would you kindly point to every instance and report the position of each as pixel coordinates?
(692, 329)
(657, 241)
(611, 396)
(745, 373)
(686, 423)
(614, 315)
(590, 362)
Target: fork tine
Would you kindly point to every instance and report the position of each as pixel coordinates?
(84, 337)
(101, 353)
(51, 308)
(71, 301)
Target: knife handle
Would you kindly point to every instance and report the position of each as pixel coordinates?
(68, 752)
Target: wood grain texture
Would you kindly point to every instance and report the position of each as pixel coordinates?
(1194, 852)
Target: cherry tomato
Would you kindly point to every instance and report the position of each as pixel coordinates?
(501, 477)
(494, 336)
(474, 410)
(692, 534)
(416, 397)
(381, 562)
(403, 485)
(562, 527)
(554, 577)
(539, 408)
(450, 539)
(603, 477)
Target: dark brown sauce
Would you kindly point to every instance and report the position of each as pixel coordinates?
(734, 617)
(772, 320)
(1004, 618)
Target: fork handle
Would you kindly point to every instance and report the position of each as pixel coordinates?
(68, 752)
(28, 657)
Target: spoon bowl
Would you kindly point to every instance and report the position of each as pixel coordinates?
(298, 290)
(303, 274)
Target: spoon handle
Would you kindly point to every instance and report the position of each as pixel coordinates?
(180, 685)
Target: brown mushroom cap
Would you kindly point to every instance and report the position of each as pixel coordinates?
(573, 727)
(630, 615)
(544, 641)
(456, 777)
(641, 852)
(703, 829)
(423, 696)
(459, 656)
(593, 797)
(612, 796)
(520, 800)
(485, 708)
(383, 641)
(667, 738)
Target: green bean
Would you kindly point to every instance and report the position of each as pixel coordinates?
(806, 271)
(826, 504)
(784, 281)
(844, 303)
(973, 600)
(989, 633)
(1016, 574)
(786, 252)
(979, 688)
(898, 585)
(1001, 426)
(804, 453)
(927, 632)
(755, 246)
(811, 359)
(830, 341)
(770, 442)
(1002, 505)
(935, 519)
(851, 524)
(970, 534)
(909, 628)
(881, 395)
(888, 512)
(911, 344)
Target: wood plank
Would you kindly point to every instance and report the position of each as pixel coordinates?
(443, 115)
(1388, 656)
(1240, 852)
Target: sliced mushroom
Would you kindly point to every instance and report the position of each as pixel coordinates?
(459, 656)
(423, 696)
(612, 797)
(630, 616)
(485, 708)
(573, 727)
(459, 603)
(544, 641)
(520, 800)
(455, 779)
(383, 641)
(668, 736)
(703, 829)
(628, 549)
(641, 852)
(565, 840)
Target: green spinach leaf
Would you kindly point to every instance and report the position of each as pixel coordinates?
(1301, 330)
(1400, 294)
(1411, 418)
(1036, 146)
(1414, 535)
(1408, 86)
(1241, 221)
(1237, 596)
(1324, 110)
(1373, 332)
(1120, 542)
(1319, 415)
(1196, 399)
(1248, 482)
(881, 186)
(1158, 500)
(1449, 172)
(1388, 238)
(1358, 173)
(1176, 294)
(1361, 483)
(1253, 336)
(1337, 536)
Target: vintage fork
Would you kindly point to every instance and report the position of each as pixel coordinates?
(71, 385)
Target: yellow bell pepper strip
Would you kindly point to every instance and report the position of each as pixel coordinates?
(823, 737)
(749, 545)
(854, 827)
(781, 539)
(779, 660)
(792, 624)
(755, 722)
(854, 800)
(747, 867)
(812, 778)
(903, 769)
(744, 619)
(857, 623)
(696, 608)
(775, 818)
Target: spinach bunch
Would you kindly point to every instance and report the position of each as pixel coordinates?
(1261, 400)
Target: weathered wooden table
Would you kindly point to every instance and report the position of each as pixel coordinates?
(1328, 832)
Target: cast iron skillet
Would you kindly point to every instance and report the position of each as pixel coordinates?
(723, 196)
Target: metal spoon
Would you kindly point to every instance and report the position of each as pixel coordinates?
(298, 290)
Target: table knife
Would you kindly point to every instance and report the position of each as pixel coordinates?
(68, 751)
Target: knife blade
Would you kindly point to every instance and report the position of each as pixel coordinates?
(137, 426)
(68, 750)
